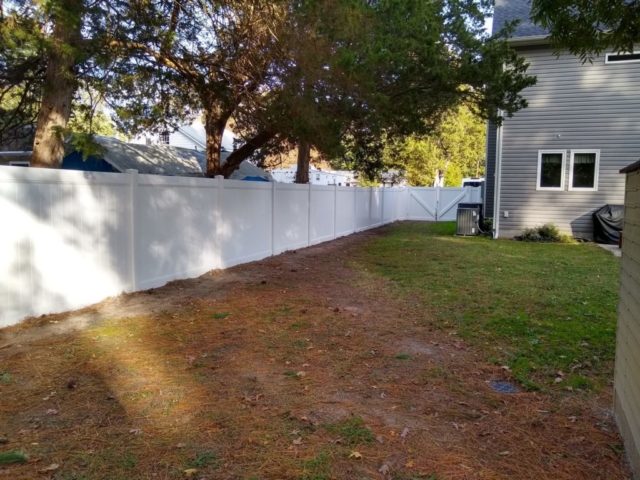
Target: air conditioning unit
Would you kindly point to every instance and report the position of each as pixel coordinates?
(468, 218)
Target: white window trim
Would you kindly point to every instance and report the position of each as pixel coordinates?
(596, 173)
(19, 163)
(607, 62)
(564, 170)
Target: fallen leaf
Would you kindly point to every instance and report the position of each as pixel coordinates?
(181, 445)
(52, 411)
(297, 441)
(51, 468)
(302, 374)
(136, 431)
(295, 432)
(355, 454)
(380, 439)
(505, 453)
(385, 469)
(409, 464)
(405, 432)
(189, 472)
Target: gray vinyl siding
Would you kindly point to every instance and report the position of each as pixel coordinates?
(627, 373)
(490, 170)
(573, 106)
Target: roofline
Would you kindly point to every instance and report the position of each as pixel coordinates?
(631, 168)
(529, 41)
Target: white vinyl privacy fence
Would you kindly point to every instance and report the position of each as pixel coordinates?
(70, 239)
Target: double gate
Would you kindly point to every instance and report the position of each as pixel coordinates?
(439, 204)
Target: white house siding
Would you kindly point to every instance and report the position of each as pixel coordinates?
(627, 376)
(573, 106)
(178, 139)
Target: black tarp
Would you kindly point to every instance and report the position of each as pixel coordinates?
(607, 224)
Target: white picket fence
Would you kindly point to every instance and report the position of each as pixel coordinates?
(71, 239)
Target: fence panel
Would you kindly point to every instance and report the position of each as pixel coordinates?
(65, 241)
(448, 201)
(291, 209)
(245, 222)
(376, 207)
(346, 211)
(322, 213)
(423, 204)
(363, 209)
(175, 229)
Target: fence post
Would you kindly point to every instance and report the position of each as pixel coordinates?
(309, 216)
(355, 208)
(437, 201)
(133, 206)
(273, 217)
(219, 179)
(370, 204)
(335, 211)
(382, 204)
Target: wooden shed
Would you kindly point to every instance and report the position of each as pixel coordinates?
(627, 375)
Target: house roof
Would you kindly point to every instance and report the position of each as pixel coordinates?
(151, 159)
(509, 10)
(631, 168)
(166, 160)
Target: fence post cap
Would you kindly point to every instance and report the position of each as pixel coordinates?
(131, 170)
(219, 177)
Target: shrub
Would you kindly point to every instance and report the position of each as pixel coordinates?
(547, 233)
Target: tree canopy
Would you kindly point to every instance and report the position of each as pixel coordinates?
(339, 76)
(589, 27)
(456, 147)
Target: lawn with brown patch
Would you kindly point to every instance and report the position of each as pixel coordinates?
(309, 365)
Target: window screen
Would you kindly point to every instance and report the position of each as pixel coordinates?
(584, 170)
(551, 170)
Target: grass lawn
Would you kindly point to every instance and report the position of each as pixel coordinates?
(371, 357)
(548, 311)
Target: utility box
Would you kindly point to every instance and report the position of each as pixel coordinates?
(468, 219)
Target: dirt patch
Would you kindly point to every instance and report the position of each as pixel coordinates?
(280, 369)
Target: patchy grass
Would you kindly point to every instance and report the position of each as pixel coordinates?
(352, 432)
(541, 309)
(361, 350)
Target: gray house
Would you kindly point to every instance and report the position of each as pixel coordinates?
(559, 159)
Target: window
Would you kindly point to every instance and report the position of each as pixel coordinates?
(612, 58)
(551, 165)
(20, 163)
(164, 138)
(584, 170)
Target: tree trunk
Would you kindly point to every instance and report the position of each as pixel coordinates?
(215, 124)
(60, 85)
(304, 156)
(238, 156)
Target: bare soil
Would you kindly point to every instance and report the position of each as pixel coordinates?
(263, 371)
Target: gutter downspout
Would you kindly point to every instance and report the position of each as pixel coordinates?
(486, 173)
(498, 184)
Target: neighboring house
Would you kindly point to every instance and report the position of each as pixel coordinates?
(558, 160)
(191, 136)
(155, 159)
(316, 176)
(394, 178)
